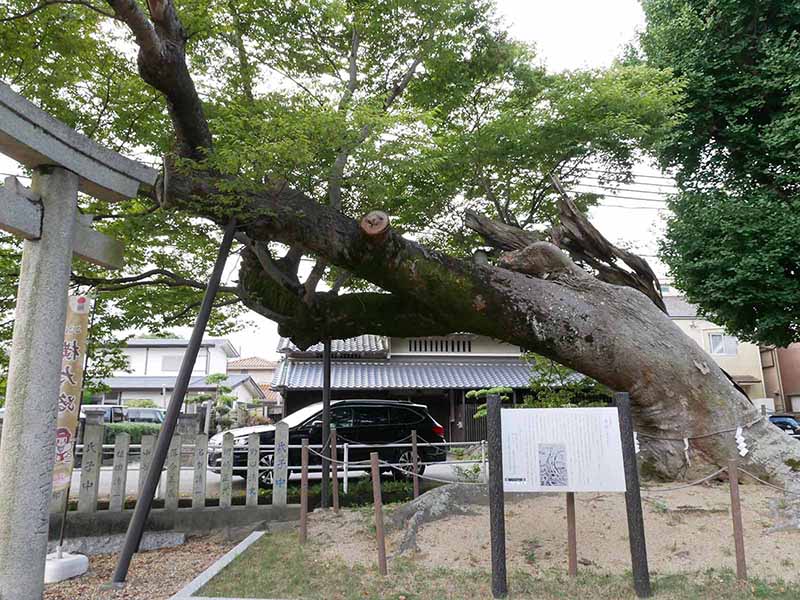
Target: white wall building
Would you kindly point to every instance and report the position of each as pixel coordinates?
(153, 366)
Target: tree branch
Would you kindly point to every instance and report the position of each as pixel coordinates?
(162, 64)
(47, 3)
(167, 278)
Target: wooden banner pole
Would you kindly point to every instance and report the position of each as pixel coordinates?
(497, 519)
(304, 492)
(633, 498)
(736, 515)
(378, 501)
(572, 545)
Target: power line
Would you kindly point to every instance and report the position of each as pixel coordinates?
(648, 183)
(622, 189)
(631, 207)
(642, 175)
(617, 197)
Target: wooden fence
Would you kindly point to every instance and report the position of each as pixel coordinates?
(105, 471)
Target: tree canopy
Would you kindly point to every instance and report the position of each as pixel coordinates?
(421, 109)
(732, 243)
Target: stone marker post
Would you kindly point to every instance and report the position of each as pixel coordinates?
(27, 452)
(280, 464)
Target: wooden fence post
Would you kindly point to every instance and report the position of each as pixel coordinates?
(736, 515)
(173, 473)
(378, 502)
(200, 467)
(90, 462)
(334, 469)
(226, 474)
(497, 518)
(415, 462)
(253, 454)
(304, 492)
(280, 464)
(572, 544)
(633, 498)
(119, 474)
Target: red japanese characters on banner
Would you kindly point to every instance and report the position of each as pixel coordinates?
(73, 356)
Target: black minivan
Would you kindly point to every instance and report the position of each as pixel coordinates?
(356, 421)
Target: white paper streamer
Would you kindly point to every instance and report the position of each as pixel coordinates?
(636, 442)
(741, 445)
(686, 450)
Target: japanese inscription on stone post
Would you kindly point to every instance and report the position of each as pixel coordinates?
(72, 358)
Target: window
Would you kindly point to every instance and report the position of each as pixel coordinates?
(371, 416)
(442, 345)
(342, 417)
(170, 363)
(722, 344)
(403, 416)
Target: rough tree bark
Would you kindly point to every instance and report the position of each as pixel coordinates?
(609, 327)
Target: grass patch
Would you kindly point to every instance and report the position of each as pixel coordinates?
(278, 567)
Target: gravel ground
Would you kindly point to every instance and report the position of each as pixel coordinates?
(154, 575)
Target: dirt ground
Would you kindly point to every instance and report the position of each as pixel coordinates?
(686, 530)
(154, 575)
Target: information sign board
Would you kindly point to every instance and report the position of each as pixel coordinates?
(562, 450)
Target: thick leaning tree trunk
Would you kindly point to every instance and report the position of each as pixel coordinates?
(612, 333)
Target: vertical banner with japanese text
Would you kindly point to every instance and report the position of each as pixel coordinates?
(72, 360)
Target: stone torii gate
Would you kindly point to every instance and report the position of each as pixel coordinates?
(46, 217)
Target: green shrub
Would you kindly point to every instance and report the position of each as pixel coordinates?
(135, 430)
(140, 403)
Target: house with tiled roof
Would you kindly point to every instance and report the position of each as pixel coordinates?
(262, 371)
(435, 371)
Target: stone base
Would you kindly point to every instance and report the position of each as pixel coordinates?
(111, 544)
(68, 566)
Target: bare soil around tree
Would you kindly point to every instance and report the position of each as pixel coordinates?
(687, 530)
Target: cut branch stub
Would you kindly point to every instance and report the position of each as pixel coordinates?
(375, 224)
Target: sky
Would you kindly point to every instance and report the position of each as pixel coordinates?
(568, 34)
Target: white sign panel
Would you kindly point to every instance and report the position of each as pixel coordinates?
(562, 450)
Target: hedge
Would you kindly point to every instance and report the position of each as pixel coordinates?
(135, 430)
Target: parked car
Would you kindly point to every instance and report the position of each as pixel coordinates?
(112, 413)
(146, 415)
(357, 422)
(788, 423)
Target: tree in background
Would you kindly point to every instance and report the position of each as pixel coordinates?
(732, 242)
(552, 385)
(218, 405)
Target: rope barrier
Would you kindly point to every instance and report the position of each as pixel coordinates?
(701, 435)
(768, 484)
(429, 478)
(683, 487)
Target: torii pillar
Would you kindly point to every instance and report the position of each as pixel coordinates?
(46, 217)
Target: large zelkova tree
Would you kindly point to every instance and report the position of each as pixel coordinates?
(732, 243)
(295, 119)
